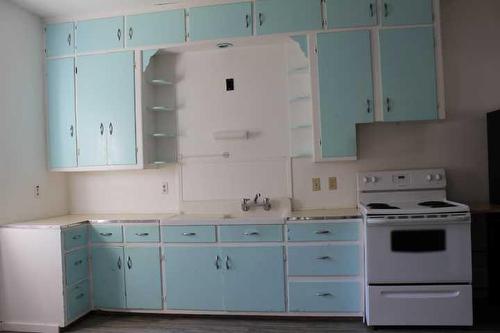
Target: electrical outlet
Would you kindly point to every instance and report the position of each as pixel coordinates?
(332, 183)
(164, 188)
(316, 184)
(36, 191)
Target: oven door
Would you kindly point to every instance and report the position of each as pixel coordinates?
(429, 251)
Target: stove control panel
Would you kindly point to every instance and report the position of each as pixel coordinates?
(402, 179)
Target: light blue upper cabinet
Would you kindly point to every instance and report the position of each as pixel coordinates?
(351, 13)
(408, 74)
(254, 279)
(221, 21)
(406, 12)
(279, 16)
(60, 39)
(166, 27)
(143, 278)
(61, 113)
(108, 278)
(346, 90)
(106, 109)
(99, 34)
(193, 278)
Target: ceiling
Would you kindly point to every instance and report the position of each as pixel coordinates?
(64, 9)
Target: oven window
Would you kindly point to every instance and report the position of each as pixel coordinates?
(418, 241)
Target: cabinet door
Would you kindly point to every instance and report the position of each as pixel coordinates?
(60, 39)
(193, 278)
(156, 28)
(254, 279)
(351, 13)
(143, 278)
(408, 74)
(221, 21)
(108, 277)
(406, 12)
(99, 34)
(277, 16)
(61, 110)
(346, 90)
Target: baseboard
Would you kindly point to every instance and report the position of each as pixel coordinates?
(23, 327)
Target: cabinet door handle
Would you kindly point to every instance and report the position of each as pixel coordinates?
(130, 33)
(324, 258)
(322, 232)
(368, 106)
(79, 262)
(75, 237)
(247, 20)
(389, 106)
(119, 263)
(324, 294)
(189, 234)
(372, 12)
(102, 128)
(261, 19)
(251, 233)
(79, 296)
(228, 266)
(119, 34)
(105, 234)
(69, 39)
(129, 263)
(110, 128)
(217, 265)
(386, 9)
(72, 131)
(143, 234)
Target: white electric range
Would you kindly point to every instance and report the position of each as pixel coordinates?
(417, 250)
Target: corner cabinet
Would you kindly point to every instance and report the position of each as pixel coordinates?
(60, 39)
(99, 35)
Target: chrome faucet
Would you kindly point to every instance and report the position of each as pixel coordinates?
(265, 203)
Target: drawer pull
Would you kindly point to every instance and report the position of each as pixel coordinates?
(323, 232)
(79, 262)
(106, 234)
(251, 233)
(80, 296)
(190, 234)
(142, 234)
(324, 258)
(75, 237)
(324, 294)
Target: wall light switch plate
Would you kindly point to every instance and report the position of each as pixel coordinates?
(316, 184)
(332, 183)
(164, 188)
(36, 191)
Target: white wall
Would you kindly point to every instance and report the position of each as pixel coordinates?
(22, 122)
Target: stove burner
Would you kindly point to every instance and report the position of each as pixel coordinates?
(377, 205)
(436, 204)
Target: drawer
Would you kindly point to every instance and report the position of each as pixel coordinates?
(75, 237)
(420, 305)
(77, 300)
(189, 234)
(330, 260)
(334, 231)
(251, 233)
(141, 233)
(324, 296)
(106, 234)
(77, 267)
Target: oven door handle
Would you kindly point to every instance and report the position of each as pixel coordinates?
(421, 294)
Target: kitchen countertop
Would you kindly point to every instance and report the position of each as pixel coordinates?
(324, 214)
(484, 208)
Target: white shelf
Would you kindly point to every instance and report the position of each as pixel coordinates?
(160, 82)
(163, 135)
(299, 99)
(298, 127)
(160, 109)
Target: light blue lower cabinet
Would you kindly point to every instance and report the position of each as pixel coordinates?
(251, 233)
(193, 278)
(143, 278)
(108, 277)
(324, 297)
(325, 260)
(77, 300)
(77, 266)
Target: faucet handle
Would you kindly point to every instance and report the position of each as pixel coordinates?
(244, 204)
(267, 204)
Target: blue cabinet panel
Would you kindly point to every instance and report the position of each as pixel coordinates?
(188, 234)
(143, 278)
(279, 16)
(61, 113)
(77, 300)
(407, 12)
(75, 237)
(324, 296)
(346, 90)
(408, 74)
(106, 234)
(193, 278)
(351, 13)
(99, 34)
(254, 279)
(77, 266)
(60, 39)
(156, 28)
(329, 260)
(221, 21)
(307, 232)
(141, 233)
(108, 278)
(251, 233)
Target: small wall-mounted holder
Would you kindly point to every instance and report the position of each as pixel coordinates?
(258, 201)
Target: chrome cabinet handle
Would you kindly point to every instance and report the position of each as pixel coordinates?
(189, 234)
(143, 234)
(217, 265)
(247, 20)
(106, 234)
(119, 34)
(69, 39)
(372, 13)
(102, 128)
(322, 232)
(386, 10)
(324, 294)
(79, 262)
(79, 296)
(368, 106)
(228, 266)
(75, 237)
(261, 19)
(324, 258)
(251, 233)
(110, 128)
(119, 263)
(71, 130)
(129, 263)
(130, 33)
(389, 106)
